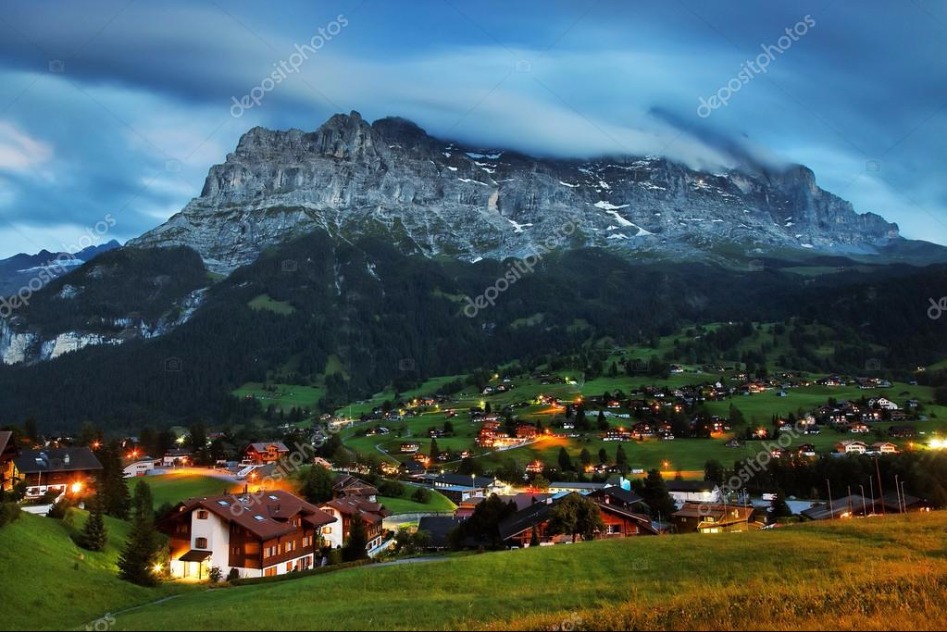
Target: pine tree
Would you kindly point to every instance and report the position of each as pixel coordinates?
(94, 535)
(565, 463)
(142, 549)
(354, 549)
(621, 459)
(602, 422)
(112, 488)
(656, 496)
(435, 452)
(585, 457)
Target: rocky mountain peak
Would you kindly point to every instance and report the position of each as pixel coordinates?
(433, 196)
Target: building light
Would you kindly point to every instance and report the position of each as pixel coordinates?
(76, 487)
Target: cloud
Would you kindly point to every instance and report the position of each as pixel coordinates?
(19, 151)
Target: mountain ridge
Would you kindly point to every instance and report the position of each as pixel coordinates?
(438, 197)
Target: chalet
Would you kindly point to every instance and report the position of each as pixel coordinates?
(176, 456)
(854, 505)
(859, 428)
(259, 536)
(410, 448)
(694, 492)
(697, 517)
(526, 431)
(346, 486)
(883, 403)
(55, 469)
(902, 432)
(617, 497)
(344, 510)
(8, 452)
(517, 529)
(466, 508)
(460, 487)
(892, 502)
(140, 467)
(265, 452)
(617, 434)
(412, 469)
(884, 447)
(851, 447)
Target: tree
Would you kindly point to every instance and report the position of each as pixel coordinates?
(435, 452)
(779, 508)
(112, 488)
(421, 495)
(482, 528)
(602, 422)
(316, 484)
(534, 537)
(602, 456)
(621, 459)
(655, 494)
(565, 463)
(585, 457)
(94, 535)
(713, 471)
(140, 557)
(354, 549)
(540, 482)
(575, 515)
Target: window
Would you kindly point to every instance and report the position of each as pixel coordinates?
(289, 566)
(326, 530)
(614, 528)
(200, 543)
(202, 514)
(270, 572)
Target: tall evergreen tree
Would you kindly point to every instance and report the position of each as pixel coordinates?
(354, 549)
(112, 488)
(565, 463)
(435, 452)
(94, 535)
(621, 459)
(141, 554)
(316, 484)
(656, 496)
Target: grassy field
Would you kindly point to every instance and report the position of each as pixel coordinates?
(173, 488)
(49, 583)
(404, 505)
(264, 301)
(859, 574)
(286, 396)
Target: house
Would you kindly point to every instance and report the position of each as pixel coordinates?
(526, 431)
(884, 447)
(693, 491)
(175, 457)
(410, 448)
(140, 467)
(55, 469)
(617, 497)
(851, 447)
(344, 511)
(902, 432)
(699, 517)
(577, 488)
(262, 453)
(347, 485)
(460, 487)
(438, 529)
(859, 428)
(263, 535)
(8, 452)
(517, 529)
(883, 403)
(846, 507)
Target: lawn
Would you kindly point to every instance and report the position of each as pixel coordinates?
(286, 396)
(404, 505)
(173, 488)
(49, 583)
(266, 302)
(853, 574)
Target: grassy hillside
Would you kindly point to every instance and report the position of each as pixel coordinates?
(173, 488)
(49, 583)
(881, 574)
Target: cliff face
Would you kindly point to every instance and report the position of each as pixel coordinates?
(436, 197)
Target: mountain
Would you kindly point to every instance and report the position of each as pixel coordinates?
(17, 271)
(437, 197)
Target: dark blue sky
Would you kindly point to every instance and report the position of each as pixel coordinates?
(119, 108)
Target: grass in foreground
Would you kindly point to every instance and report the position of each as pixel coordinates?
(49, 583)
(861, 574)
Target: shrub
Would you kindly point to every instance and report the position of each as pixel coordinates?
(392, 489)
(58, 510)
(8, 513)
(233, 575)
(421, 495)
(215, 575)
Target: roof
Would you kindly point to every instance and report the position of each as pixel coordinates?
(6, 442)
(351, 505)
(348, 485)
(719, 512)
(623, 496)
(823, 511)
(267, 515)
(261, 446)
(690, 486)
(460, 480)
(586, 486)
(175, 452)
(524, 519)
(643, 521)
(439, 528)
(195, 555)
(55, 460)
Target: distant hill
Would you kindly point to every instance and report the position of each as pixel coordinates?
(19, 270)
